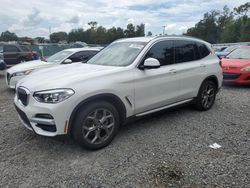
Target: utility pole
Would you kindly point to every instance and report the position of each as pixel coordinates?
(164, 27)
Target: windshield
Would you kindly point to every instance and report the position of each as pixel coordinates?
(118, 54)
(59, 57)
(240, 53)
(230, 48)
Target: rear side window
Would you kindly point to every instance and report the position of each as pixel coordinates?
(10, 48)
(25, 49)
(186, 51)
(163, 51)
(203, 50)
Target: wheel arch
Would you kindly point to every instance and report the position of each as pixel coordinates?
(113, 99)
(212, 78)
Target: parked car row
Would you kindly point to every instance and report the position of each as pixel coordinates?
(13, 54)
(15, 73)
(129, 78)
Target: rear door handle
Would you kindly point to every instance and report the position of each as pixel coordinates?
(173, 71)
(202, 65)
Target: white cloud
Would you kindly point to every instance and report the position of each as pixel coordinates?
(33, 18)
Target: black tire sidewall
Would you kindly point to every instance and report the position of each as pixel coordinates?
(198, 103)
(83, 113)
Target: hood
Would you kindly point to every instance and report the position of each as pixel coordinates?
(36, 64)
(64, 76)
(235, 63)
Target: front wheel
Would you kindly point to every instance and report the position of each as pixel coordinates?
(206, 96)
(96, 125)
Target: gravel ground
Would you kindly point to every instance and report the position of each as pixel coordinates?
(168, 149)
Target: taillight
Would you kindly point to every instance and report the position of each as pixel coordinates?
(220, 63)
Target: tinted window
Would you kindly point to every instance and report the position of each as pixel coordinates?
(82, 56)
(10, 48)
(163, 51)
(185, 51)
(203, 50)
(25, 49)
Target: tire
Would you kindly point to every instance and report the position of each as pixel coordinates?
(96, 125)
(206, 96)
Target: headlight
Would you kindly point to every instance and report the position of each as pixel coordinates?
(53, 96)
(246, 69)
(22, 73)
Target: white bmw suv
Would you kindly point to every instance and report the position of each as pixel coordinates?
(131, 77)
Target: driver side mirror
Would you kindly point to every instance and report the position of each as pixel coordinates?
(67, 61)
(150, 63)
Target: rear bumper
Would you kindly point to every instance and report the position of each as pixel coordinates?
(237, 78)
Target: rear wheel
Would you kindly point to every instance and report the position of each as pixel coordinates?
(206, 96)
(96, 125)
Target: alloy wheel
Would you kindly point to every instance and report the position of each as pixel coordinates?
(208, 96)
(98, 126)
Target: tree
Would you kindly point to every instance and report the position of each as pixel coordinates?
(130, 31)
(149, 34)
(222, 26)
(206, 28)
(58, 36)
(140, 30)
(77, 35)
(93, 25)
(8, 36)
(242, 10)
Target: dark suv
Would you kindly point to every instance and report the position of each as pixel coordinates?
(14, 54)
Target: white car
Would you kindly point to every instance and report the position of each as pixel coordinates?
(17, 72)
(131, 77)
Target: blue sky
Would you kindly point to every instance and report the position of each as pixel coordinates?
(34, 17)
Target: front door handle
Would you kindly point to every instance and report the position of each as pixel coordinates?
(202, 65)
(173, 71)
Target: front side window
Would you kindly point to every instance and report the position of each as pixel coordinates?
(163, 51)
(10, 48)
(82, 56)
(118, 54)
(240, 53)
(185, 51)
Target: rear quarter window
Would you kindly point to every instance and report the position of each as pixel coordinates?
(203, 50)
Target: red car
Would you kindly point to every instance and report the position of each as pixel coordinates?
(236, 66)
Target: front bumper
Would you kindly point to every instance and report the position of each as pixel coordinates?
(53, 122)
(236, 77)
(12, 81)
